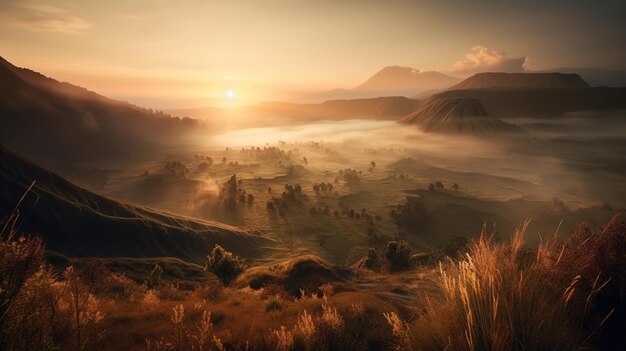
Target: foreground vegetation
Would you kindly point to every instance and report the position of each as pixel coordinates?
(559, 296)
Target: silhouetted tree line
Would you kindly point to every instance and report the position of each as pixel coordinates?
(292, 196)
(411, 216)
(322, 187)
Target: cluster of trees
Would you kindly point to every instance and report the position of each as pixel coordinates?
(354, 214)
(203, 158)
(320, 210)
(374, 238)
(267, 153)
(233, 193)
(410, 216)
(291, 196)
(205, 162)
(322, 187)
(176, 168)
(438, 185)
(395, 256)
(397, 176)
(350, 176)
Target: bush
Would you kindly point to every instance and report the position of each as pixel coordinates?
(224, 265)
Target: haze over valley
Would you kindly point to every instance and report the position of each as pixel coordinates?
(192, 196)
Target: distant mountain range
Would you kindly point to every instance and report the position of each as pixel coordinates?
(395, 81)
(410, 82)
(76, 222)
(535, 94)
(596, 77)
(69, 123)
(48, 120)
(475, 105)
(522, 81)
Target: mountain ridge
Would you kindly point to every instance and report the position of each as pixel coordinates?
(70, 123)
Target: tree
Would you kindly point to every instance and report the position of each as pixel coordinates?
(397, 255)
(439, 185)
(225, 265)
(372, 261)
(455, 187)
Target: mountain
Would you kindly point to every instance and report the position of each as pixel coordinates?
(522, 81)
(46, 120)
(395, 81)
(456, 115)
(506, 95)
(405, 79)
(596, 77)
(79, 223)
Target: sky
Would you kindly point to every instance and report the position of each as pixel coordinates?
(191, 53)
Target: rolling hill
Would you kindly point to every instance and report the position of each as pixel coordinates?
(390, 107)
(69, 123)
(79, 223)
(456, 116)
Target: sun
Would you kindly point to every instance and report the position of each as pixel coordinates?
(230, 94)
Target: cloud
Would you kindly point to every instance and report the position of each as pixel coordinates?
(482, 59)
(40, 17)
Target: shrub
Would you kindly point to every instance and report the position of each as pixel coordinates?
(119, 286)
(224, 265)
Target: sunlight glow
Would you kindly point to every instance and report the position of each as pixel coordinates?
(230, 94)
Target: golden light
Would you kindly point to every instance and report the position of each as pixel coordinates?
(230, 94)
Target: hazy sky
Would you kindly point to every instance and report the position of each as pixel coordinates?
(185, 53)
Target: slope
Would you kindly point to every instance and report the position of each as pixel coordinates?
(76, 222)
(456, 115)
(48, 120)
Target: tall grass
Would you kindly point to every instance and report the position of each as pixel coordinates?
(505, 297)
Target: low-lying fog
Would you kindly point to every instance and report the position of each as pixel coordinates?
(373, 166)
